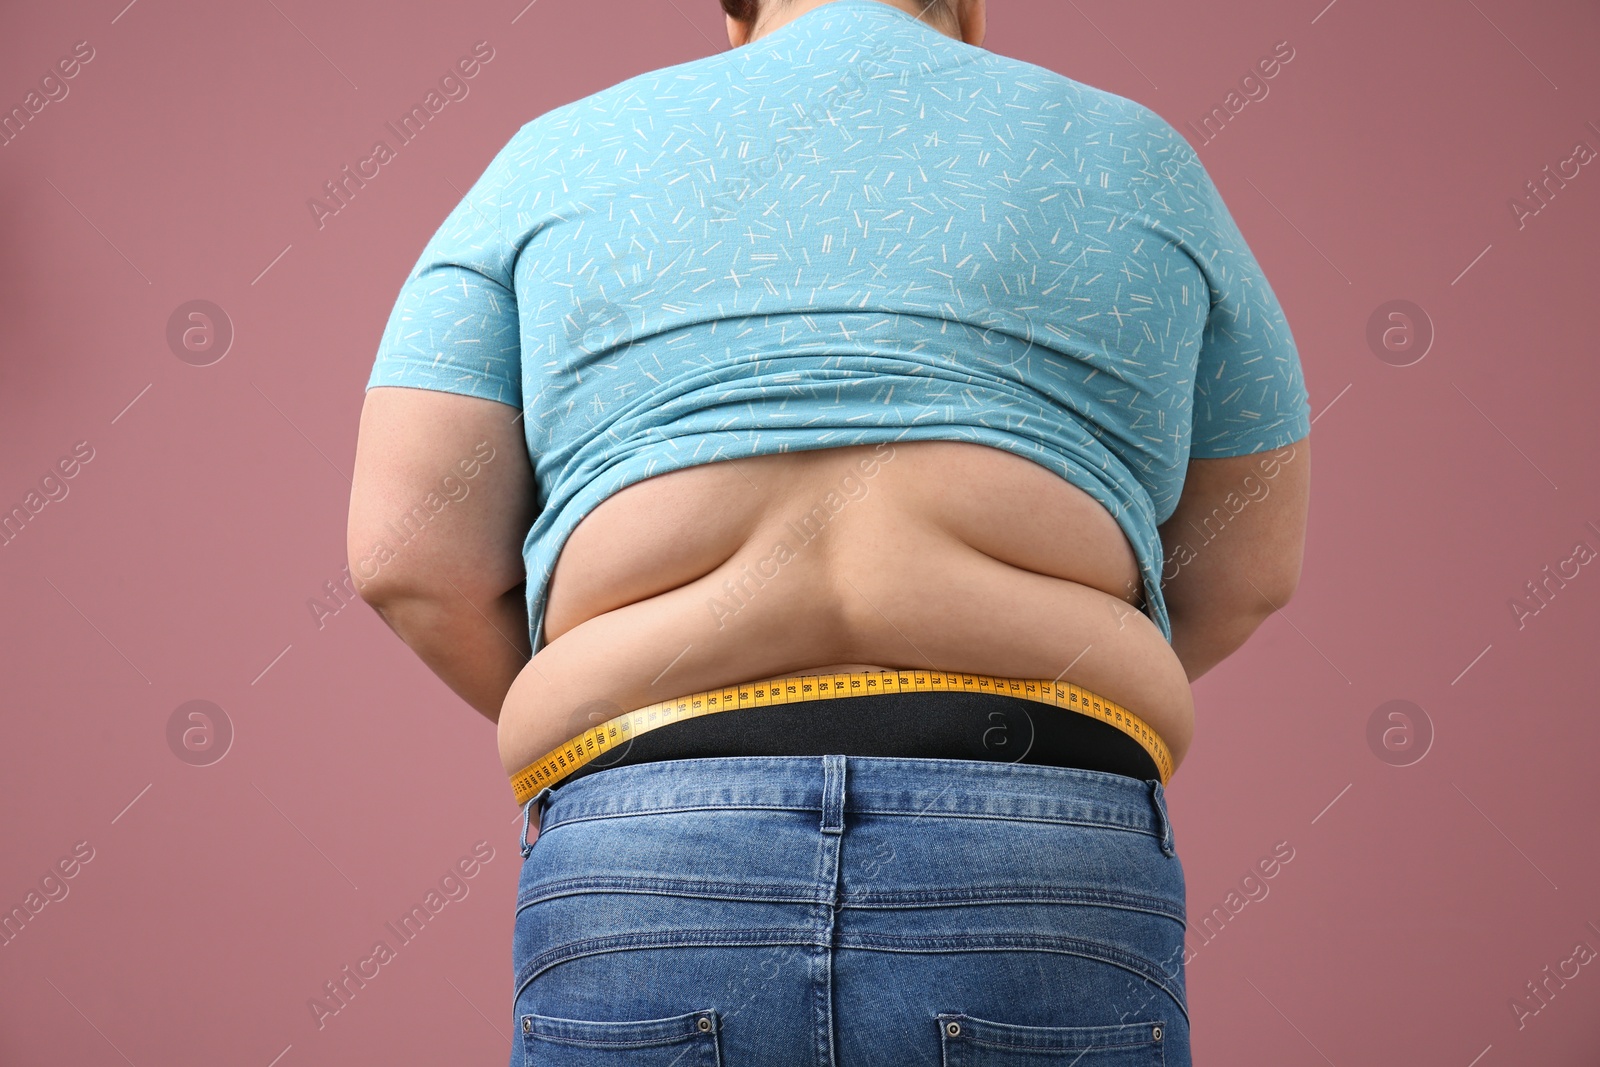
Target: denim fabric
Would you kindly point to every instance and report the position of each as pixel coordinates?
(860, 911)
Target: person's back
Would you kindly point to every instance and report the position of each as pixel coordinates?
(858, 347)
(853, 231)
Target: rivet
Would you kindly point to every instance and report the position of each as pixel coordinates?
(527, 1024)
(1155, 1033)
(704, 1024)
(953, 1029)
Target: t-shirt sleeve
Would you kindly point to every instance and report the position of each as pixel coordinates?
(1249, 387)
(454, 325)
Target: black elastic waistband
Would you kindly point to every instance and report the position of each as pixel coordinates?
(957, 725)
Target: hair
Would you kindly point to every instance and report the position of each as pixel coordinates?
(747, 10)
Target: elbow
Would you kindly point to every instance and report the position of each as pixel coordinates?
(1263, 595)
(1250, 599)
(373, 585)
(1278, 588)
(387, 583)
(385, 576)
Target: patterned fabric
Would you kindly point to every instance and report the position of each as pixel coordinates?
(852, 230)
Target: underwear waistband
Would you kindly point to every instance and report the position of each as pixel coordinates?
(912, 714)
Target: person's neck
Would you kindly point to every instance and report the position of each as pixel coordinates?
(775, 16)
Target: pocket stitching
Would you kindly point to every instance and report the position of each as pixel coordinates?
(1003, 1028)
(623, 1033)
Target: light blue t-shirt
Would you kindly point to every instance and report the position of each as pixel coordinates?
(853, 230)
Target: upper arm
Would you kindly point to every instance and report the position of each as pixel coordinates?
(443, 496)
(1249, 387)
(1248, 390)
(454, 325)
(444, 492)
(1236, 539)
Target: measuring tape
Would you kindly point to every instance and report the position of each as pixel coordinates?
(596, 741)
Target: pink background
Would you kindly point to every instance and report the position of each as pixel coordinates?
(220, 898)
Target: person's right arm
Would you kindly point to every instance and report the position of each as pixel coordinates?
(1233, 548)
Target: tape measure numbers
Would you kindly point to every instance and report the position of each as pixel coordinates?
(596, 741)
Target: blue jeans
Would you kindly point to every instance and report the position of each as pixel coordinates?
(860, 911)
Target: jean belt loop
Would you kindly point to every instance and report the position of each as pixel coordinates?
(527, 817)
(833, 773)
(1158, 800)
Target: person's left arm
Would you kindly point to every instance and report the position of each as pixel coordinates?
(444, 491)
(443, 497)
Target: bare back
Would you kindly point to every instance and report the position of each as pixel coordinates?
(928, 554)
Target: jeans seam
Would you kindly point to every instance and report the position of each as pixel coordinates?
(795, 894)
(1135, 825)
(680, 938)
(1142, 966)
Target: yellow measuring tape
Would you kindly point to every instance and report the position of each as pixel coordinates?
(596, 741)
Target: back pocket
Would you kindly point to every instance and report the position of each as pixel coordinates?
(971, 1042)
(679, 1041)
